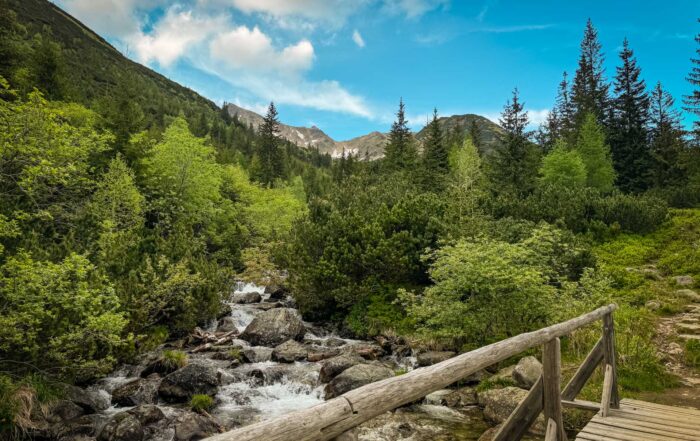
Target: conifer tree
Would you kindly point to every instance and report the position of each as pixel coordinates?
(514, 161)
(595, 154)
(475, 134)
(589, 92)
(270, 155)
(563, 168)
(435, 156)
(400, 151)
(666, 134)
(565, 108)
(628, 129)
(692, 101)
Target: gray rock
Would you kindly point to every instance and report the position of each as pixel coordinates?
(498, 404)
(246, 297)
(273, 327)
(652, 305)
(462, 397)
(139, 391)
(684, 280)
(333, 366)
(527, 372)
(257, 354)
(368, 351)
(90, 401)
(63, 410)
(226, 324)
(276, 292)
(289, 352)
(432, 357)
(193, 426)
(356, 376)
(129, 425)
(438, 397)
(192, 379)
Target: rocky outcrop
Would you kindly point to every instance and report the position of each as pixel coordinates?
(192, 426)
(89, 400)
(433, 357)
(139, 391)
(356, 376)
(527, 372)
(226, 324)
(190, 380)
(257, 354)
(333, 366)
(246, 297)
(289, 352)
(274, 327)
(498, 404)
(129, 425)
(684, 280)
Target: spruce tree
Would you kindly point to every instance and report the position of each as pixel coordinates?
(692, 101)
(514, 162)
(435, 156)
(400, 152)
(666, 134)
(565, 109)
(595, 154)
(270, 155)
(628, 128)
(589, 92)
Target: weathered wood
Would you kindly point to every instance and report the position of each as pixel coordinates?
(584, 372)
(551, 385)
(523, 416)
(334, 417)
(552, 430)
(609, 356)
(581, 404)
(607, 391)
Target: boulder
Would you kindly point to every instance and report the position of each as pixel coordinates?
(246, 297)
(684, 280)
(276, 292)
(81, 428)
(129, 425)
(91, 401)
(462, 397)
(498, 404)
(433, 357)
(273, 327)
(527, 372)
(139, 391)
(193, 379)
(289, 352)
(62, 410)
(437, 397)
(333, 366)
(226, 324)
(193, 426)
(368, 351)
(257, 354)
(356, 376)
(504, 375)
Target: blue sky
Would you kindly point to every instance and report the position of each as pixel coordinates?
(343, 64)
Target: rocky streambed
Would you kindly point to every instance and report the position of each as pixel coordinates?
(261, 361)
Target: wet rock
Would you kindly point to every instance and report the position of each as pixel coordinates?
(684, 280)
(498, 404)
(402, 350)
(156, 365)
(276, 292)
(432, 357)
(266, 306)
(289, 352)
(81, 428)
(257, 354)
(462, 397)
(334, 342)
(226, 324)
(316, 355)
(356, 376)
(63, 410)
(333, 366)
(437, 397)
(123, 426)
(476, 377)
(224, 311)
(368, 351)
(274, 327)
(193, 379)
(527, 372)
(193, 426)
(246, 297)
(90, 401)
(139, 391)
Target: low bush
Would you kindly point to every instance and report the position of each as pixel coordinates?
(173, 360)
(201, 402)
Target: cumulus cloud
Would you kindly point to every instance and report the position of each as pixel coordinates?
(243, 48)
(357, 38)
(414, 8)
(112, 18)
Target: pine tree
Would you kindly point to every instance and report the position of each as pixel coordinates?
(666, 134)
(400, 151)
(589, 92)
(628, 132)
(565, 109)
(475, 134)
(692, 102)
(435, 156)
(595, 154)
(270, 155)
(514, 161)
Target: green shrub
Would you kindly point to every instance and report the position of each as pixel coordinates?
(173, 360)
(636, 214)
(201, 402)
(692, 353)
(235, 354)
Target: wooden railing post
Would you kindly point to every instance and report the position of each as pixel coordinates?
(551, 382)
(609, 357)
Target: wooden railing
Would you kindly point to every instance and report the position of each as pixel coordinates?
(339, 416)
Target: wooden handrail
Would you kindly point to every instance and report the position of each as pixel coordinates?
(332, 418)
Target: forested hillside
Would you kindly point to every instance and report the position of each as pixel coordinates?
(130, 206)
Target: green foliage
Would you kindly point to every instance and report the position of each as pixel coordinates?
(201, 402)
(62, 316)
(563, 168)
(173, 360)
(435, 157)
(595, 154)
(235, 354)
(692, 353)
(400, 151)
(639, 214)
(466, 184)
(270, 156)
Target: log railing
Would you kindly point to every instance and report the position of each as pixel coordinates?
(338, 416)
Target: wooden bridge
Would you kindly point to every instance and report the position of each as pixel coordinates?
(615, 419)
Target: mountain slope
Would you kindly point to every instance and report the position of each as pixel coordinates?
(458, 126)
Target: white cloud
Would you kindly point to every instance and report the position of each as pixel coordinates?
(113, 18)
(538, 116)
(173, 35)
(414, 8)
(302, 14)
(357, 38)
(252, 50)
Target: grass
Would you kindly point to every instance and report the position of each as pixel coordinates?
(494, 383)
(692, 353)
(235, 354)
(173, 360)
(201, 403)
